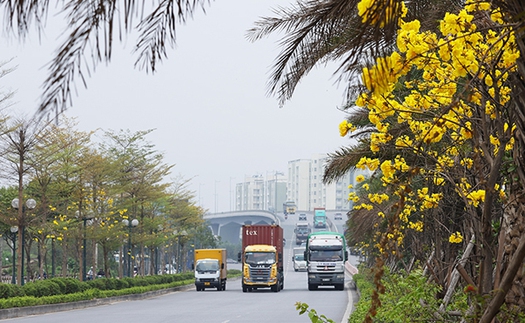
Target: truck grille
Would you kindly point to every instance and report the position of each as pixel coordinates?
(206, 280)
(260, 272)
(325, 268)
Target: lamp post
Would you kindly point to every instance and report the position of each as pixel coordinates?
(14, 230)
(84, 253)
(30, 204)
(130, 225)
(179, 251)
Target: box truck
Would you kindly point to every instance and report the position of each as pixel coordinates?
(262, 257)
(210, 269)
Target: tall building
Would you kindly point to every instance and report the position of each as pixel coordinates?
(261, 193)
(298, 183)
(303, 185)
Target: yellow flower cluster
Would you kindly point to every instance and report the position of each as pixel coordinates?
(345, 127)
(455, 237)
(370, 163)
(369, 11)
(416, 226)
(352, 196)
(378, 198)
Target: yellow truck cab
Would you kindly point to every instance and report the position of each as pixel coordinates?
(260, 267)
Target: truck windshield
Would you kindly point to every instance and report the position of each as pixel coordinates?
(302, 230)
(259, 258)
(204, 266)
(326, 255)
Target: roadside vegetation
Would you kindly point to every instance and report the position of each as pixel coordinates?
(64, 290)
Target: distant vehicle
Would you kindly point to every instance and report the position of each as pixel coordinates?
(338, 216)
(302, 230)
(319, 217)
(231, 261)
(302, 217)
(299, 264)
(289, 207)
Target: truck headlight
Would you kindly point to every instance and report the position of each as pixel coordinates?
(340, 276)
(311, 276)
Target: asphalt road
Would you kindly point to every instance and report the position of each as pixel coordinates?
(230, 306)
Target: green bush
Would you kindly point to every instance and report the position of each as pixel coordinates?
(73, 285)
(10, 290)
(41, 288)
(62, 290)
(402, 300)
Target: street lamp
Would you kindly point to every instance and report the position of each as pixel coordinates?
(30, 204)
(179, 251)
(14, 230)
(84, 247)
(130, 225)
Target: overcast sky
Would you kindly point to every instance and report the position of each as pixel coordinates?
(207, 103)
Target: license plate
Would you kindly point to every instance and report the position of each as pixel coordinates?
(326, 279)
(207, 283)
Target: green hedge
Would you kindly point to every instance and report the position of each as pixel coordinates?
(63, 290)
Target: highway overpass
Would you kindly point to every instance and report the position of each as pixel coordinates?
(228, 225)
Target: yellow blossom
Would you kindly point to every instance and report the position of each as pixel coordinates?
(455, 237)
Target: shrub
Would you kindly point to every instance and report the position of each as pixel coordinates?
(10, 290)
(73, 285)
(41, 288)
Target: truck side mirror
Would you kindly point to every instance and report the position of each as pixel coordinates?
(306, 255)
(280, 256)
(239, 257)
(346, 255)
(192, 267)
(222, 266)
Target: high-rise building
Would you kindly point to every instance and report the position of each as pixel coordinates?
(303, 185)
(261, 193)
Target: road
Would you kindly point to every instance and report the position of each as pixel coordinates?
(230, 306)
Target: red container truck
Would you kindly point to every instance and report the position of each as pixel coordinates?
(262, 257)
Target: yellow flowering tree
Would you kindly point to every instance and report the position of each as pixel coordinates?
(457, 87)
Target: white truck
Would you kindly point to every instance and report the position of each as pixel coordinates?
(210, 269)
(325, 256)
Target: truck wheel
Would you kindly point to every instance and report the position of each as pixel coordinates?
(312, 287)
(340, 287)
(244, 288)
(275, 288)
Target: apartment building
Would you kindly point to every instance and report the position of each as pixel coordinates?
(303, 185)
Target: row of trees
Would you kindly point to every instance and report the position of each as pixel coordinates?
(84, 190)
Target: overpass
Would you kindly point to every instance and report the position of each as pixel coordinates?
(228, 225)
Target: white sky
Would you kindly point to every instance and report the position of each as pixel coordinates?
(207, 102)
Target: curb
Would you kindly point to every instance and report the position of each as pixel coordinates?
(14, 312)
